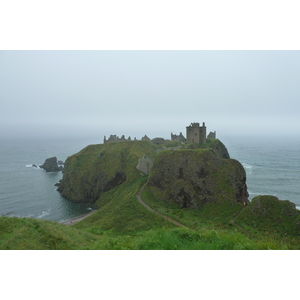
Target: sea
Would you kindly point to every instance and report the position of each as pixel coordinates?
(272, 167)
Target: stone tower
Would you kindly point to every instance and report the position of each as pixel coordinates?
(196, 134)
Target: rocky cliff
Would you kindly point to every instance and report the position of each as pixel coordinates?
(192, 178)
(215, 144)
(99, 168)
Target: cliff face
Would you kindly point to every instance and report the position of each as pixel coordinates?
(215, 144)
(192, 178)
(99, 168)
(189, 177)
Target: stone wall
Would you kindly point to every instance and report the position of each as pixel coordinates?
(196, 134)
(145, 164)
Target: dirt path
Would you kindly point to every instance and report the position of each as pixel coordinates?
(77, 219)
(233, 223)
(138, 195)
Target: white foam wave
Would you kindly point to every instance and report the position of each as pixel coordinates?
(36, 166)
(248, 168)
(43, 214)
(251, 193)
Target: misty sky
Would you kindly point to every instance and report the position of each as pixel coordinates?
(97, 93)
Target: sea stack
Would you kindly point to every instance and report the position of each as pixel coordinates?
(51, 165)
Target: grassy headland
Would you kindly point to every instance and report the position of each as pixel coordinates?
(123, 223)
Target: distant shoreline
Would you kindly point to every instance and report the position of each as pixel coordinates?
(77, 219)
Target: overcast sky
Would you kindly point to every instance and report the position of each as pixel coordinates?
(97, 93)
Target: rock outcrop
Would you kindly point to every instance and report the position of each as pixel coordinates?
(189, 177)
(215, 144)
(192, 178)
(99, 168)
(269, 214)
(51, 165)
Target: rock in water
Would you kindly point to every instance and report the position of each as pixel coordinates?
(50, 165)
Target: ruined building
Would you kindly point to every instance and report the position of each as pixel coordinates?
(145, 164)
(115, 138)
(212, 135)
(145, 138)
(196, 134)
(179, 138)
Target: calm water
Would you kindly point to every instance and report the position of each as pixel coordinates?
(26, 191)
(272, 165)
(272, 168)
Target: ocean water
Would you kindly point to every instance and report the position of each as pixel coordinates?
(272, 167)
(26, 191)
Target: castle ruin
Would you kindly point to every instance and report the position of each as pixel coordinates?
(212, 135)
(195, 134)
(179, 138)
(115, 138)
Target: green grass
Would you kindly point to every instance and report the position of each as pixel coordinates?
(121, 213)
(34, 234)
(269, 215)
(210, 230)
(122, 223)
(186, 239)
(211, 215)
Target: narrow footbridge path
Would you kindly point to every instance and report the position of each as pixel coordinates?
(138, 195)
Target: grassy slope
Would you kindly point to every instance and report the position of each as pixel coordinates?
(112, 156)
(267, 214)
(123, 223)
(33, 234)
(121, 213)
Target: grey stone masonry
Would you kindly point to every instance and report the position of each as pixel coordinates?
(145, 164)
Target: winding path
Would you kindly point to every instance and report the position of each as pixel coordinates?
(77, 219)
(138, 195)
(233, 223)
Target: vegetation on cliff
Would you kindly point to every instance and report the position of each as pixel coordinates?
(214, 214)
(35, 234)
(99, 168)
(192, 178)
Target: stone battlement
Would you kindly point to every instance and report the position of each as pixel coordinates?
(115, 138)
(195, 134)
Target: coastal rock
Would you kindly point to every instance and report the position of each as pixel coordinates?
(50, 165)
(192, 178)
(269, 214)
(214, 144)
(99, 168)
